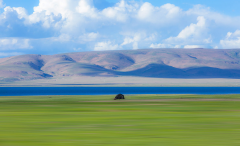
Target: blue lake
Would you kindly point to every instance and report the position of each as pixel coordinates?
(24, 91)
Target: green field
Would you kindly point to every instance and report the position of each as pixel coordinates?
(140, 120)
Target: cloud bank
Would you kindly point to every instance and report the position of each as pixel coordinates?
(63, 26)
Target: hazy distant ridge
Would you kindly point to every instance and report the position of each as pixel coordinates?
(162, 63)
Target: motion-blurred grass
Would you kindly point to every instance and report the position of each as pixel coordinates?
(98, 120)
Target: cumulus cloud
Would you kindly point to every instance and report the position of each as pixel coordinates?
(14, 22)
(62, 38)
(155, 46)
(164, 14)
(192, 46)
(86, 7)
(121, 11)
(125, 25)
(56, 7)
(160, 45)
(232, 40)
(193, 29)
(101, 46)
(152, 37)
(21, 12)
(89, 37)
(77, 49)
(135, 38)
(3, 54)
(14, 43)
(192, 35)
(1, 4)
(217, 18)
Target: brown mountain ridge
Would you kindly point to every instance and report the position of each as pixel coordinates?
(158, 63)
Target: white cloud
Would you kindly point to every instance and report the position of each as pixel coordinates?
(146, 11)
(14, 44)
(89, 37)
(135, 45)
(77, 49)
(46, 20)
(232, 40)
(138, 38)
(152, 37)
(160, 45)
(52, 13)
(193, 29)
(192, 46)
(101, 46)
(174, 46)
(164, 14)
(15, 19)
(126, 25)
(63, 38)
(56, 7)
(217, 18)
(3, 54)
(127, 40)
(85, 7)
(66, 16)
(172, 10)
(21, 12)
(1, 4)
(121, 11)
(135, 38)
(192, 34)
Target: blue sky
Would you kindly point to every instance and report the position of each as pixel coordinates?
(53, 26)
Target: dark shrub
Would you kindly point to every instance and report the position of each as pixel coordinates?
(119, 96)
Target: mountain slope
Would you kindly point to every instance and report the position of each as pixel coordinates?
(160, 63)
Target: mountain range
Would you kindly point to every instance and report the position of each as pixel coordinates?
(156, 63)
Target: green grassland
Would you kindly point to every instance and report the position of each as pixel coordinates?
(140, 120)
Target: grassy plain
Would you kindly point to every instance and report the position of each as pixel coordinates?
(141, 120)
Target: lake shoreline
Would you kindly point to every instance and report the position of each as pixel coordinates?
(28, 91)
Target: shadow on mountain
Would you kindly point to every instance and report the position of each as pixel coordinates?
(209, 72)
(164, 71)
(93, 70)
(156, 70)
(44, 75)
(38, 65)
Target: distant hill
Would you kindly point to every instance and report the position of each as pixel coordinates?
(158, 63)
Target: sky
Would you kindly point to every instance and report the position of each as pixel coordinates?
(53, 26)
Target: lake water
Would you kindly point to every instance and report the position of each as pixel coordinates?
(23, 91)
